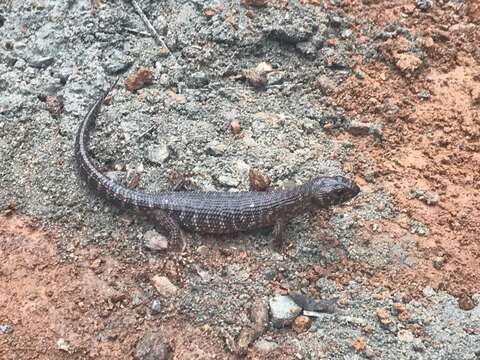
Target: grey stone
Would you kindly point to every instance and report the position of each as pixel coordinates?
(291, 33)
(228, 180)
(438, 262)
(265, 346)
(117, 62)
(307, 48)
(427, 197)
(417, 345)
(215, 148)
(198, 79)
(41, 62)
(283, 310)
(416, 227)
(6, 329)
(269, 274)
(158, 153)
(155, 306)
(424, 94)
(428, 291)
(155, 241)
(152, 347)
(63, 345)
(365, 128)
(424, 4)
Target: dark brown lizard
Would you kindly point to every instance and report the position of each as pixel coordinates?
(212, 212)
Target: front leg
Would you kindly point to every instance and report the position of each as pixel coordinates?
(165, 222)
(279, 233)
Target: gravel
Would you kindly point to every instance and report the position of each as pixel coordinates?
(67, 52)
(152, 347)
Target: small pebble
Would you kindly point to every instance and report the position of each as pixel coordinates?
(245, 338)
(203, 250)
(198, 79)
(301, 324)
(466, 303)
(158, 153)
(417, 345)
(438, 262)
(139, 79)
(428, 291)
(63, 345)
(359, 344)
(265, 346)
(383, 316)
(408, 63)
(215, 149)
(475, 93)
(405, 336)
(255, 78)
(228, 181)
(6, 329)
(263, 67)
(283, 310)
(365, 128)
(152, 347)
(155, 241)
(258, 180)
(164, 287)
(424, 4)
(54, 106)
(156, 307)
(259, 317)
(235, 127)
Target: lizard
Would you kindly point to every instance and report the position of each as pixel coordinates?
(214, 212)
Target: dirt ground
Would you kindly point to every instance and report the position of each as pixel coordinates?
(429, 144)
(414, 114)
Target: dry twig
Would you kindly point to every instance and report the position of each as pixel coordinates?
(151, 29)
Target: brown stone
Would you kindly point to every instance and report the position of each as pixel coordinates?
(245, 338)
(259, 317)
(383, 316)
(359, 343)
(301, 324)
(54, 106)
(466, 303)
(258, 180)
(235, 127)
(209, 12)
(407, 63)
(163, 285)
(475, 95)
(139, 79)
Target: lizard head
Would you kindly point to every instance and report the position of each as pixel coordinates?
(332, 190)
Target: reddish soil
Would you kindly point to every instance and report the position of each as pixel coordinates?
(429, 143)
(84, 302)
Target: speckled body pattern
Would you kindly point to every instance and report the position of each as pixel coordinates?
(212, 212)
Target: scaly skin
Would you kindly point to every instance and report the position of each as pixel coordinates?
(212, 212)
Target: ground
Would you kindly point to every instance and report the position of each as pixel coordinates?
(384, 92)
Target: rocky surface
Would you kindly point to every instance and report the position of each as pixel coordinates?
(248, 85)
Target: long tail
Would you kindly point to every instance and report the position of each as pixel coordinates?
(114, 192)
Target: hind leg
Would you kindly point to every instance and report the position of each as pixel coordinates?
(279, 233)
(165, 222)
